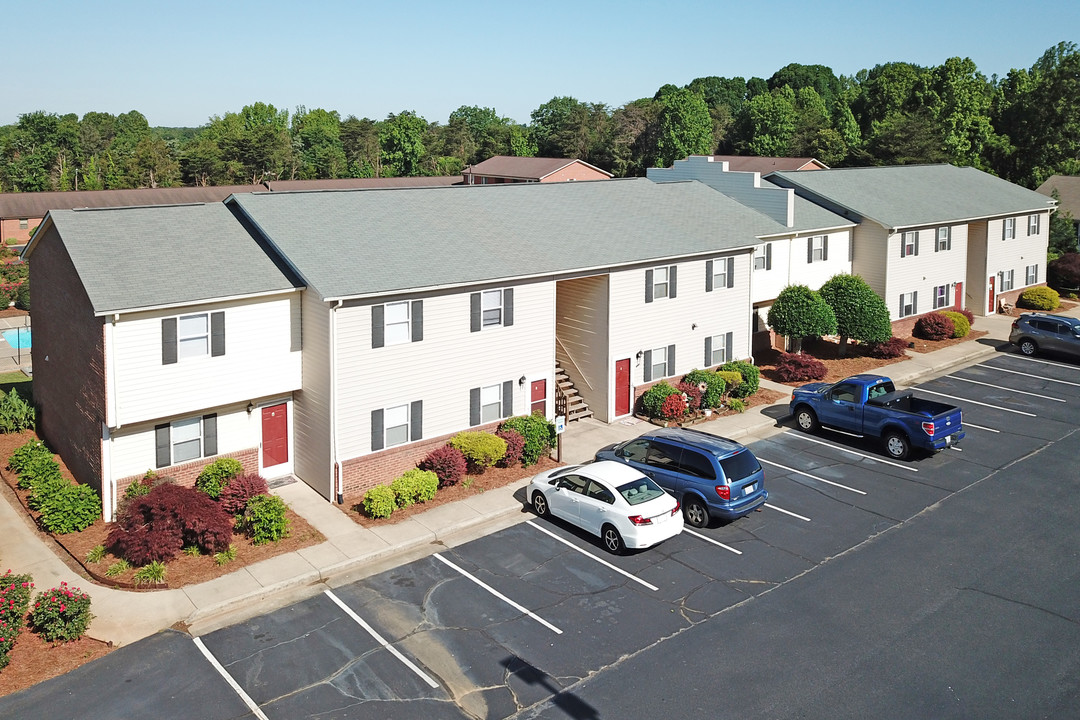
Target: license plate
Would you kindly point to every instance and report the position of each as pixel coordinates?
(749, 489)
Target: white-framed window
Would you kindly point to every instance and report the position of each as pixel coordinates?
(1031, 275)
(1033, 224)
(761, 256)
(396, 425)
(909, 243)
(907, 304)
(659, 366)
(1008, 229)
(24, 223)
(492, 307)
(942, 293)
(718, 349)
(187, 439)
(193, 336)
(720, 275)
(660, 282)
(397, 323)
(1005, 280)
(943, 235)
(817, 249)
(491, 402)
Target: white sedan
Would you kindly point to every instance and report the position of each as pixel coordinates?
(611, 500)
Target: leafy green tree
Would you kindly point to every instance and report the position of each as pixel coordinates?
(152, 164)
(317, 139)
(800, 312)
(958, 97)
(568, 128)
(360, 140)
(684, 127)
(860, 313)
(632, 137)
(884, 92)
(769, 123)
(401, 138)
(818, 77)
(1062, 232)
(905, 139)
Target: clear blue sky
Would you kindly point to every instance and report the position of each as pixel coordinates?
(181, 63)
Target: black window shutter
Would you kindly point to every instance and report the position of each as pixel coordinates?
(825, 247)
(916, 242)
(708, 352)
(809, 250)
(648, 366)
(378, 313)
(708, 275)
(508, 307)
(474, 311)
(948, 240)
(670, 360)
(417, 320)
(915, 302)
(937, 242)
(168, 343)
(730, 272)
(768, 256)
(728, 348)
(648, 286)
(217, 334)
(416, 420)
(209, 431)
(673, 276)
(163, 444)
(508, 398)
(377, 429)
(903, 245)
(474, 406)
(901, 314)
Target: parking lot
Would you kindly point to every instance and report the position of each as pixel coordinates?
(535, 619)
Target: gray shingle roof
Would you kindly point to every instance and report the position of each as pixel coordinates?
(911, 195)
(1068, 187)
(164, 255)
(354, 243)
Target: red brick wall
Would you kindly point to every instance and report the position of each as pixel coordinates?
(186, 473)
(69, 387)
(9, 228)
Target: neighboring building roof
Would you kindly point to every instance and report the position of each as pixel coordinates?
(911, 195)
(164, 255)
(765, 165)
(525, 168)
(358, 183)
(1068, 187)
(358, 243)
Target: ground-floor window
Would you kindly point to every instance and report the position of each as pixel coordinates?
(1032, 273)
(942, 294)
(907, 304)
(1005, 280)
(185, 440)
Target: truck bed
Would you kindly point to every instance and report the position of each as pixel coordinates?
(906, 401)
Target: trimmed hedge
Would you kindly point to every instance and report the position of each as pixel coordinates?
(379, 502)
(652, 400)
(481, 449)
(933, 326)
(751, 378)
(1039, 298)
(448, 464)
(961, 326)
(414, 486)
(895, 347)
(539, 434)
(715, 385)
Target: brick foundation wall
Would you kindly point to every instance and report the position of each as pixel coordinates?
(186, 473)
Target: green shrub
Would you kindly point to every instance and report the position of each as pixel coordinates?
(152, 573)
(652, 400)
(191, 550)
(737, 405)
(16, 414)
(61, 614)
(732, 379)
(119, 567)
(379, 502)
(715, 385)
(961, 326)
(217, 475)
(39, 470)
(751, 378)
(67, 507)
(265, 519)
(225, 556)
(26, 453)
(22, 298)
(141, 487)
(414, 486)
(96, 555)
(481, 449)
(1039, 298)
(539, 434)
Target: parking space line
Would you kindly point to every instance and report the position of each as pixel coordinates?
(979, 427)
(252, 705)
(1045, 362)
(1037, 377)
(1002, 387)
(379, 639)
(499, 595)
(807, 438)
(814, 477)
(787, 512)
(710, 540)
(572, 546)
(976, 402)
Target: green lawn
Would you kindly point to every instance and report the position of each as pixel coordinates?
(17, 380)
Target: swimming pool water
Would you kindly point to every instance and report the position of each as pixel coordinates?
(17, 337)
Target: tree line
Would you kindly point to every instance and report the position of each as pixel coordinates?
(1023, 127)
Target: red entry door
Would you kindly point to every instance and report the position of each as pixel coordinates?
(991, 308)
(538, 398)
(622, 387)
(959, 299)
(275, 435)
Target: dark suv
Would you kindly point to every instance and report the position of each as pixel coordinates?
(711, 476)
(1038, 332)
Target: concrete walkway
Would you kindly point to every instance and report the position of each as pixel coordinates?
(351, 551)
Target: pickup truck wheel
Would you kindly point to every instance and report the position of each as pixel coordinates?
(1028, 347)
(897, 445)
(806, 419)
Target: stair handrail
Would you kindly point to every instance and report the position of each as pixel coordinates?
(574, 363)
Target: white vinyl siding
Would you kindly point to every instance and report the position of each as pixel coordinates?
(263, 358)
(921, 273)
(1014, 256)
(311, 408)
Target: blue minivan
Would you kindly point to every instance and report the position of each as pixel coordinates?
(712, 476)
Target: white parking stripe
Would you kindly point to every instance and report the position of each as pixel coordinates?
(976, 402)
(588, 554)
(252, 705)
(502, 597)
(979, 427)
(1037, 377)
(1046, 362)
(787, 512)
(379, 639)
(814, 477)
(841, 448)
(1002, 387)
(710, 540)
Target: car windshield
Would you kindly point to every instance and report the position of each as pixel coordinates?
(641, 490)
(739, 466)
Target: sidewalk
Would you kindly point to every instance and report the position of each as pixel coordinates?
(352, 551)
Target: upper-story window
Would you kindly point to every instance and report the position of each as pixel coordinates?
(192, 336)
(492, 308)
(817, 248)
(1033, 224)
(944, 239)
(660, 282)
(1008, 229)
(719, 274)
(397, 322)
(763, 257)
(909, 243)
(24, 223)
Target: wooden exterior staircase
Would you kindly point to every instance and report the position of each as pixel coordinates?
(576, 407)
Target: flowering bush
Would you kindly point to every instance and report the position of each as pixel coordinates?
(15, 593)
(448, 464)
(652, 400)
(61, 614)
(674, 407)
(715, 386)
(693, 394)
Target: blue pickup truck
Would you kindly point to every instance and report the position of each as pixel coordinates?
(871, 405)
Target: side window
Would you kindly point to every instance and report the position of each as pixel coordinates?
(662, 455)
(573, 483)
(845, 393)
(601, 493)
(635, 450)
(696, 464)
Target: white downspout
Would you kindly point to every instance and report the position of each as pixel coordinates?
(335, 471)
(108, 482)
